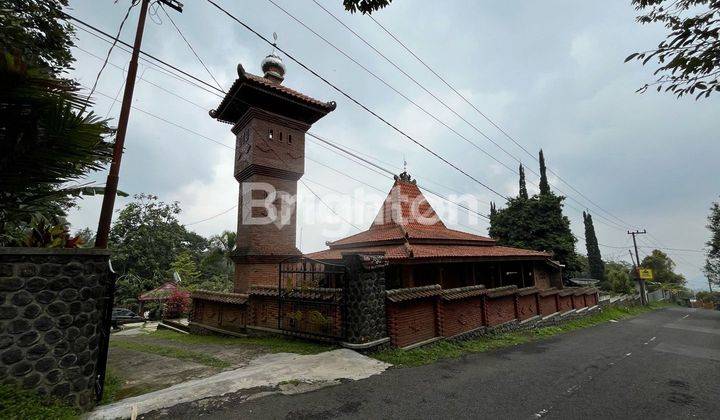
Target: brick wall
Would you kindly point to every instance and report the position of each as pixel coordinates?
(527, 306)
(565, 303)
(591, 299)
(265, 274)
(500, 310)
(578, 301)
(412, 321)
(263, 311)
(548, 304)
(460, 315)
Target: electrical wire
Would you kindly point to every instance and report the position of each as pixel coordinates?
(107, 57)
(191, 47)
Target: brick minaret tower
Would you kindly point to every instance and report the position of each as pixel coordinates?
(270, 122)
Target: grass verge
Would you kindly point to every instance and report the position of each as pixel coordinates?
(453, 349)
(174, 352)
(269, 343)
(27, 405)
(113, 384)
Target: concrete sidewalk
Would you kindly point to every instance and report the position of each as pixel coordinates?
(265, 371)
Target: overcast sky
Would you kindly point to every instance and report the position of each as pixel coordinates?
(551, 74)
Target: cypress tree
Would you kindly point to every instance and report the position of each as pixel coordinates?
(523, 186)
(544, 185)
(595, 263)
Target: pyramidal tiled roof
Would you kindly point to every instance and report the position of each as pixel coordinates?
(407, 227)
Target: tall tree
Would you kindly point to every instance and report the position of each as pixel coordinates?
(663, 268)
(688, 57)
(365, 6)
(36, 30)
(147, 236)
(712, 260)
(523, 185)
(46, 142)
(536, 223)
(595, 263)
(617, 277)
(184, 265)
(544, 185)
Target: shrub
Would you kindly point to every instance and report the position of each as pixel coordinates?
(177, 304)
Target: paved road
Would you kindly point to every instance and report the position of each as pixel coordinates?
(663, 364)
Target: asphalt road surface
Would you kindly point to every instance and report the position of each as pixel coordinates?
(663, 364)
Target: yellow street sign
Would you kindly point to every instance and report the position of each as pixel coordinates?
(646, 274)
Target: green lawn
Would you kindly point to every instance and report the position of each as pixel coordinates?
(175, 352)
(453, 349)
(17, 404)
(270, 343)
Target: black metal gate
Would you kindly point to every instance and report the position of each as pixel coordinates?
(310, 298)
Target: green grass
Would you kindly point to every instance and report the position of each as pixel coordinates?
(174, 352)
(270, 343)
(113, 384)
(453, 349)
(17, 404)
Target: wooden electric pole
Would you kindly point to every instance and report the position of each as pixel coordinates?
(643, 298)
(103, 231)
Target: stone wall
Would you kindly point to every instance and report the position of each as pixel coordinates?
(364, 299)
(53, 306)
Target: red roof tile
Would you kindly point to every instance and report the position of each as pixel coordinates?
(238, 298)
(409, 293)
(407, 227)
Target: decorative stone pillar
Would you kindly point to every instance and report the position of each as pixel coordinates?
(364, 315)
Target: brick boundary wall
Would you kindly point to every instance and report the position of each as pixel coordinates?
(53, 310)
(468, 312)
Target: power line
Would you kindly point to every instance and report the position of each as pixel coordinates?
(434, 117)
(357, 102)
(401, 94)
(100, 31)
(466, 100)
(191, 47)
(385, 170)
(233, 99)
(328, 206)
(205, 83)
(107, 57)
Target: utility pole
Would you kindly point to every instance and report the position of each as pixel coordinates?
(103, 231)
(643, 299)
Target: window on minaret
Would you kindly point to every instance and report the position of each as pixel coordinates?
(289, 138)
(270, 135)
(280, 136)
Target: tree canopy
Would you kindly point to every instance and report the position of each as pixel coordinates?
(617, 277)
(48, 142)
(595, 262)
(712, 259)
(663, 268)
(149, 244)
(688, 57)
(36, 31)
(365, 6)
(536, 223)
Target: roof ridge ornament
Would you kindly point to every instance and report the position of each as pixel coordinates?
(405, 177)
(273, 66)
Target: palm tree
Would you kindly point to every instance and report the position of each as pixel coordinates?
(224, 244)
(49, 144)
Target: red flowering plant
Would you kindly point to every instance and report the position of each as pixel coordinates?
(177, 304)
